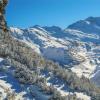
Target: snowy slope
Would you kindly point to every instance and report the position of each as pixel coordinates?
(10, 87)
(62, 87)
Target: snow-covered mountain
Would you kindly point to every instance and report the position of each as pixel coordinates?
(26, 75)
(76, 47)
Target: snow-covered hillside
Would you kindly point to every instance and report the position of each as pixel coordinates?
(12, 89)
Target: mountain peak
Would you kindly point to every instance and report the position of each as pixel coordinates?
(94, 20)
(88, 25)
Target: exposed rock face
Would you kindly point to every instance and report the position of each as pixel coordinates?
(3, 25)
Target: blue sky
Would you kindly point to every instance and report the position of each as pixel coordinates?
(26, 13)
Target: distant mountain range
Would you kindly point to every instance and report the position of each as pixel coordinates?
(77, 47)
